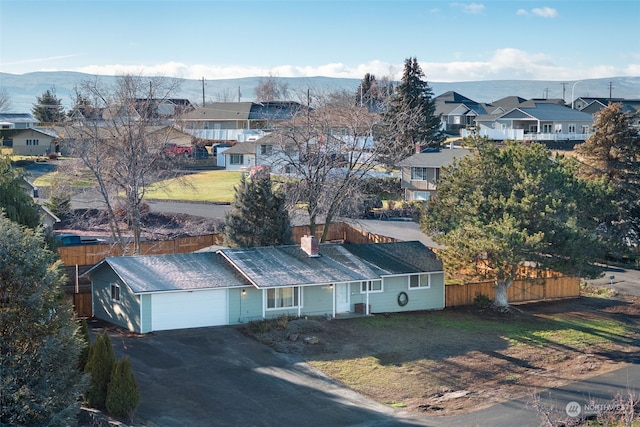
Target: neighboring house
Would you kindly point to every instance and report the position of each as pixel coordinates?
(535, 120)
(17, 121)
(232, 286)
(631, 106)
(236, 121)
(240, 157)
(457, 112)
(419, 174)
(34, 142)
(268, 151)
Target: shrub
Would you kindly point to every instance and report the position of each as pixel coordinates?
(123, 395)
(481, 301)
(100, 365)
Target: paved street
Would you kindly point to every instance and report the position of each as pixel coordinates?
(623, 280)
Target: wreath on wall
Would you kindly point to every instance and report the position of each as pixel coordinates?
(403, 299)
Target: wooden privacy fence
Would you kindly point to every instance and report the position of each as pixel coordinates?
(89, 255)
(520, 291)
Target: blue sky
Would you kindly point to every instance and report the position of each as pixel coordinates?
(216, 39)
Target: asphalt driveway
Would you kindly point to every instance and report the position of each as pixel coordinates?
(219, 377)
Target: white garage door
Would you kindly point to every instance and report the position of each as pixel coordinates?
(181, 310)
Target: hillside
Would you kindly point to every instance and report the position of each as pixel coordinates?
(24, 88)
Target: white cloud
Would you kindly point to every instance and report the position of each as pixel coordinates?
(471, 8)
(545, 12)
(507, 63)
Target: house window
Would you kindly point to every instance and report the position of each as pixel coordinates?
(115, 292)
(572, 128)
(33, 142)
(546, 128)
(585, 128)
(558, 128)
(419, 281)
(266, 150)
(236, 159)
(418, 174)
(373, 285)
(421, 195)
(533, 129)
(282, 297)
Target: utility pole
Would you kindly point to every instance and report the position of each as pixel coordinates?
(203, 92)
(610, 89)
(239, 94)
(564, 86)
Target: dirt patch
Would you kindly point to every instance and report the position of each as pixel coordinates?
(156, 226)
(459, 360)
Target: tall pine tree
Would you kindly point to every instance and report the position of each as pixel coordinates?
(40, 384)
(258, 216)
(410, 122)
(612, 153)
(48, 108)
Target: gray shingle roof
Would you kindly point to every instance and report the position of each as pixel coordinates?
(291, 266)
(397, 257)
(158, 273)
(435, 159)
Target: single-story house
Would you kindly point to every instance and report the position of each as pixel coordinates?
(233, 286)
(34, 142)
(419, 173)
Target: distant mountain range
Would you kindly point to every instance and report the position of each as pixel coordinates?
(24, 88)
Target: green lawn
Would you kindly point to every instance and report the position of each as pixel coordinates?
(209, 186)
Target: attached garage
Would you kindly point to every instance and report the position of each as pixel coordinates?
(194, 309)
(164, 292)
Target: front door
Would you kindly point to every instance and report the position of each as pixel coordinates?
(342, 298)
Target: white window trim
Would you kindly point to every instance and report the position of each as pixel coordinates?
(420, 284)
(297, 293)
(363, 287)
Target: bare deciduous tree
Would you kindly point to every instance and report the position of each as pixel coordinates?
(123, 145)
(5, 100)
(271, 89)
(328, 152)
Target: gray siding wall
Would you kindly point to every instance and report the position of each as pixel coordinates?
(419, 299)
(244, 308)
(145, 301)
(124, 313)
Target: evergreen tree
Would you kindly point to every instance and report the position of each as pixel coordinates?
(612, 153)
(502, 208)
(40, 384)
(86, 345)
(14, 200)
(123, 395)
(410, 121)
(48, 108)
(258, 216)
(99, 365)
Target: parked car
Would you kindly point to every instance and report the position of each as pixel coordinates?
(173, 149)
(200, 152)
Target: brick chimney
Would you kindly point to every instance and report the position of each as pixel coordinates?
(309, 244)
